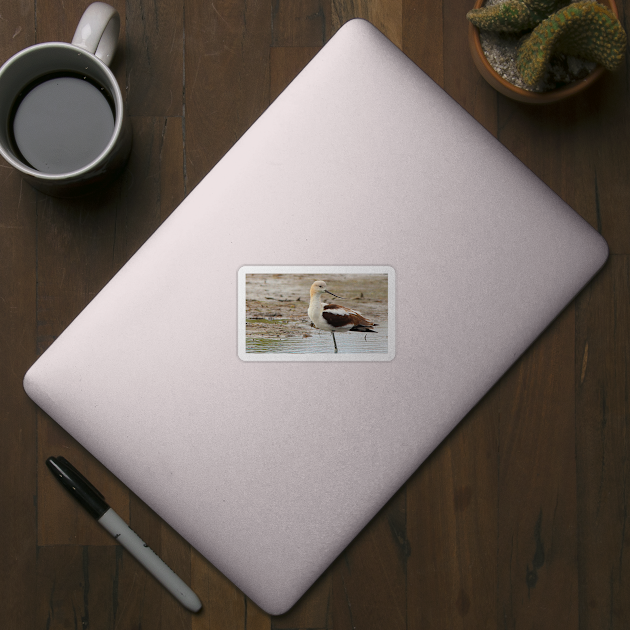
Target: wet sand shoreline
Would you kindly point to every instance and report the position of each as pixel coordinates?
(277, 304)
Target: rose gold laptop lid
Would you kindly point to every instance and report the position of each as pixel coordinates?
(270, 466)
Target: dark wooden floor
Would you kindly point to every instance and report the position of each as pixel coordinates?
(518, 520)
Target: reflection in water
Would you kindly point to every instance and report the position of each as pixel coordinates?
(321, 342)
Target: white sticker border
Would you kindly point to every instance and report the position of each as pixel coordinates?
(322, 270)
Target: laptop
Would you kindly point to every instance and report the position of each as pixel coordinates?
(196, 377)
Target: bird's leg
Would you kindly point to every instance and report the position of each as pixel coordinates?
(334, 341)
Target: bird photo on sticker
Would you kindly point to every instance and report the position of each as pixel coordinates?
(334, 318)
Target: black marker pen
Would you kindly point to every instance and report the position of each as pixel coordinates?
(94, 502)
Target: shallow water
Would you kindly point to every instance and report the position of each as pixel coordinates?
(277, 320)
(322, 342)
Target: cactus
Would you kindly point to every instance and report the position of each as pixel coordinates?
(513, 16)
(583, 29)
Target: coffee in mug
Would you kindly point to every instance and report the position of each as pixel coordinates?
(65, 128)
(62, 122)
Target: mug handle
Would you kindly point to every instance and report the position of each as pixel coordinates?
(98, 30)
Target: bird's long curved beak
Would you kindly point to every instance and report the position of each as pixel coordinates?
(340, 298)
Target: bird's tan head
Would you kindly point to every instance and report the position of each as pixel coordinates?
(318, 287)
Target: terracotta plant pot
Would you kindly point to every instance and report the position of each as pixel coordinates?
(512, 91)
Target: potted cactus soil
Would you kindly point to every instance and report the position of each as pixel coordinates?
(544, 50)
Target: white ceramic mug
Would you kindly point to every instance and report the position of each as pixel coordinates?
(85, 60)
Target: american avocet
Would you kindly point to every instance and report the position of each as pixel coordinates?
(332, 317)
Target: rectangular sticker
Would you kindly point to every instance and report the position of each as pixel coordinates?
(316, 313)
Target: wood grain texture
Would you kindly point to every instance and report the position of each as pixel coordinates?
(285, 64)
(452, 527)
(154, 57)
(422, 36)
(609, 175)
(94, 244)
(518, 520)
(57, 22)
(386, 15)
(18, 324)
(226, 78)
(151, 187)
(602, 381)
(369, 577)
(76, 587)
(18, 417)
(461, 79)
(576, 148)
(153, 606)
(225, 606)
(301, 23)
(313, 610)
(60, 520)
(537, 536)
